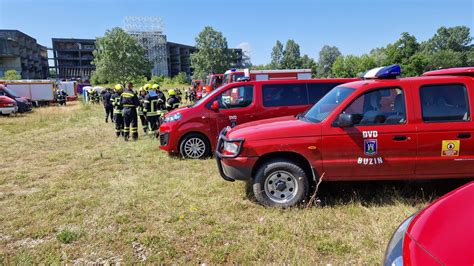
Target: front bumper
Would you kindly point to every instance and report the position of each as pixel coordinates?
(239, 168)
(8, 110)
(233, 167)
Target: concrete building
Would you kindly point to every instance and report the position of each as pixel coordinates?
(179, 58)
(73, 57)
(22, 53)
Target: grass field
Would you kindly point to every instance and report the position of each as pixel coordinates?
(70, 192)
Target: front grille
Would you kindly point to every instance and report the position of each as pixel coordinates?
(164, 139)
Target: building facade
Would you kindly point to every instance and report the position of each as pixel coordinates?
(73, 58)
(22, 53)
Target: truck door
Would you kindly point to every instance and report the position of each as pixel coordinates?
(381, 144)
(446, 130)
(236, 106)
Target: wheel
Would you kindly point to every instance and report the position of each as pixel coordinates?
(195, 146)
(280, 183)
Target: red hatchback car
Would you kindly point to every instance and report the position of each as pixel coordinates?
(440, 234)
(380, 128)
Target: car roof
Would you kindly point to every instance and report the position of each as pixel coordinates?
(292, 81)
(370, 83)
(456, 71)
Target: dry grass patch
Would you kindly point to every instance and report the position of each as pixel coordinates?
(71, 192)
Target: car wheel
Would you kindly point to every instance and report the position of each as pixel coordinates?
(280, 183)
(195, 146)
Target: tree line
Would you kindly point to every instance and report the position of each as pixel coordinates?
(119, 58)
(449, 47)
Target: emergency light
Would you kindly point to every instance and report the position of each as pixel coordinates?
(387, 72)
(233, 70)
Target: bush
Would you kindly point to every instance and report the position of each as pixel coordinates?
(68, 235)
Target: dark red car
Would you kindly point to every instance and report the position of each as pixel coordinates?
(380, 128)
(440, 234)
(193, 131)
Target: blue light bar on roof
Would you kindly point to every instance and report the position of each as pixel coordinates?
(388, 72)
(233, 70)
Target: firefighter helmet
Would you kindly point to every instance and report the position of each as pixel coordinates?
(118, 87)
(171, 92)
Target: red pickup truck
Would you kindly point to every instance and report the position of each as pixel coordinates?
(379, 128)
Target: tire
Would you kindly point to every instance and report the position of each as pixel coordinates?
(194, 146)
(280, 183)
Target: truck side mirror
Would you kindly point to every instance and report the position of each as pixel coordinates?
(215, 106)
(344, 120)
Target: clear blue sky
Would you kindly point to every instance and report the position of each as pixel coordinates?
(353, 26)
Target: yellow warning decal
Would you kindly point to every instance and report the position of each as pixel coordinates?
(450, 148)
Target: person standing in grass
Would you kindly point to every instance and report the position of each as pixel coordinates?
(141, 109)
(109, 109)
(173, 101)
(152, 108)
(118, 117)
(130, 102)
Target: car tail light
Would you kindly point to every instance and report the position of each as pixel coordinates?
(7, 104)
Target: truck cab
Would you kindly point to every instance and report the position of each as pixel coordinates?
(379, 128)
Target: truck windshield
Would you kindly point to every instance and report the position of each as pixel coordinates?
(327, 104)
(12, 93)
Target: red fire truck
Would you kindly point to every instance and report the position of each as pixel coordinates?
(234, 75)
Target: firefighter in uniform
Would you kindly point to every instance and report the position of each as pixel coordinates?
(61, 96)
(108, 107)
(130, 102)
(152, 109)
(173, 101)
(141, 97)
(162, 105)
(118, 117)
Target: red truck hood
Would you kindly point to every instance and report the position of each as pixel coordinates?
(446, 227)
(274, 128)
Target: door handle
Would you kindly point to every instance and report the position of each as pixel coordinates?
(400, 138)
(464, 135)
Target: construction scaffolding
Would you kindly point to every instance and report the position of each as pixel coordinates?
(149, 32)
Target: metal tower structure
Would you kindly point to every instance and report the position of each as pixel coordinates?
(149, 32)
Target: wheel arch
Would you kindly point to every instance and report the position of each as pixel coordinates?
(290, 156)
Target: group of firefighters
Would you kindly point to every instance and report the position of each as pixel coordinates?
(125, 106)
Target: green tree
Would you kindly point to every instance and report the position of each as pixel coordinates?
(119, 58)
(212, 54)
(277, 55)
(327, 57)
(11, 75)
(347, 67)
(401, 51)
(456, 39)
(445, 59)
(291, 56)
(417, 64)
(181, 78)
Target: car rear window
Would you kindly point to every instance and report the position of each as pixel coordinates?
(444, 103)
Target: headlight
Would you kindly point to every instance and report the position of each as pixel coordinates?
(231, 148)
(172, 118)
(394, 252)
